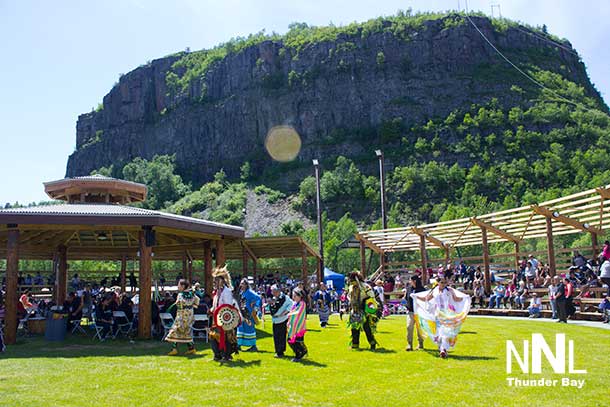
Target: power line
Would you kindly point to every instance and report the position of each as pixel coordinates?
(549, 41)
(537, 83)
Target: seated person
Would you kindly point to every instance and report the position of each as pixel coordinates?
(103, 315)
(521, 295)
(126, 305)
(498, 294)
(478, 293)
(535, 306)
(604, 308)
(73, 306)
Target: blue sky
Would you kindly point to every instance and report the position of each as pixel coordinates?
(59, 58)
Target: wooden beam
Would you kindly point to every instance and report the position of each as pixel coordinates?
(123, 273)
(428, 237)
(207, 267)
(550, 247)
(594, 245)
(495, 230)
(12, 296)
(62, 275)
(244, 262)
(517, 257)
(145, 302)
(548, 213)
(220, 253)
(424, 259)
(362, 258)
(382, 262)
(249, 250)
(368, 243)
(304, 265)
(603, 192)
(189, 266)
(486, 261)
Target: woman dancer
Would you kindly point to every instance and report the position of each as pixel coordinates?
(297, 325)
(251, 305)
(441, 312)
(180, 331)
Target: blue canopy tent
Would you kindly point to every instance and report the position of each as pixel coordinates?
(337, 280)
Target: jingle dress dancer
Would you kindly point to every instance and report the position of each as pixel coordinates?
(180, 331)
(323, 300)
(441, 312)
(250, 306)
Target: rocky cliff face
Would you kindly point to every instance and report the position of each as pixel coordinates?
(337, 95)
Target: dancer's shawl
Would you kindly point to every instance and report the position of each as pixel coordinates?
(441, 316)
(296, 321)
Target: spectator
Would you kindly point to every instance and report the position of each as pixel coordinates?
(75, 283)
(103, 316)
(530, 274)
(38, 280)
(521, 295)
(552, 294)
(126, 306)
(74, 307)
(569, 295)
(579, 261)
(605, 251)
(132, 282)
(604, 308)
(535, 306)
(478, 293)
(162, 280)
(509, 296)
(498, 294)
(28, 280)
(605, 275)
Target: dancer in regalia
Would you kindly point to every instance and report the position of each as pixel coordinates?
(322, 300)
(297, 325)
(279, 307)
(180, 331)
(363, 310)
(223, 341)
(441, 312)
(250, 307)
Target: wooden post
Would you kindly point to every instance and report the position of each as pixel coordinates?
(185, 272)
(189, 269)
(594, 245)
(362, 258)
(304, 265)
(254, 268)
(62, 275)
(550, 247)
(207, 267)
(516, 257)
(424, 259)
(145, 305)
(486, 261)
(220, 253)
(382, 262)
(447, 256)
(244, 262)
(12, 296)
(123, 273)
(319, 272)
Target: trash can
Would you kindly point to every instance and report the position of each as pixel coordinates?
(56, 327)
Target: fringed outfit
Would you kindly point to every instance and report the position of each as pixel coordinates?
(441, 317)
(250, 305)
(322, 301)
(297, 326)
(223, 342)
(180, 331)
(363, 313)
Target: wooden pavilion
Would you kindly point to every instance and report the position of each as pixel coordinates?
(94, 224)
(583, 212)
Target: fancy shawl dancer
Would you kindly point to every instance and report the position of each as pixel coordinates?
(180, 331)
(363, 310)
(441, 312)
(322, 300)
(297, 325)
(250, 306)
(226, 316)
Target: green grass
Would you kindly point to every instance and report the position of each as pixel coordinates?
(81, 371)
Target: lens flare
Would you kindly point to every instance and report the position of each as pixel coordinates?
(283, 143)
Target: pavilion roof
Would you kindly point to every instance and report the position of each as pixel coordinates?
(585, 211)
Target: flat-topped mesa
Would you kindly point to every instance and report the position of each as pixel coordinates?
(95, 189)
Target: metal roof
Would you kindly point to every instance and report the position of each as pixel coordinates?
(111, 214)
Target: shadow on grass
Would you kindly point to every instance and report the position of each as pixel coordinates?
(308, 362)
(460, 357)
(468, 332)
(383, 350)
(262, 334)
(241, 363)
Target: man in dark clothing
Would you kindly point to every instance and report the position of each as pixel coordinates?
(103, 316)
(74, 307)
(560, 300)
(415, 286)
(279, 307)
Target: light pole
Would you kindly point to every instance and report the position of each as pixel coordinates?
(316, 166)
(384, 220)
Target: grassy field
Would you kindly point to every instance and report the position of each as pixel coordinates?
(81, 371)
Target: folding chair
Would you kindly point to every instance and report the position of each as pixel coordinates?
(77, 326)
(98, 329)
(167, 321)
(201, 325)
(123, 325)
